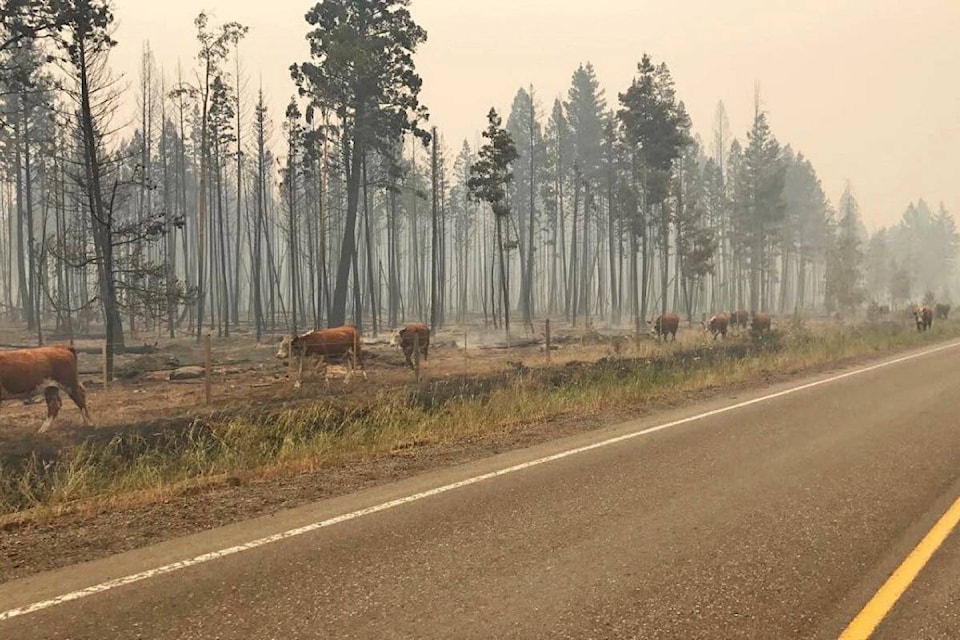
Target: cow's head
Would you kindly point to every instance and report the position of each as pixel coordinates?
(396, 337)
(654, 325)
(286, 347)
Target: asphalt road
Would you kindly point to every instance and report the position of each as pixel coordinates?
(779, 519)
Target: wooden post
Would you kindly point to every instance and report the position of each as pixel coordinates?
(208, 356)
(416, 355)
(547, 333)
(105, 378)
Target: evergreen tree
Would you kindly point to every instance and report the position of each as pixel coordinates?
(526, 131)
(362, 71)
(655, 132)
(761, 206)
(489, 177)
(844, 276)
(585, 113)
(558, 160)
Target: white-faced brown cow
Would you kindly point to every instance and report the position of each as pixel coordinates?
(717, 325)
(412, 336)
(336, 344)
(665, 325)
(760, 324)
(923, 316)
(25, 372)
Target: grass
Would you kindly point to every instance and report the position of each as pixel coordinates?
(254, 446)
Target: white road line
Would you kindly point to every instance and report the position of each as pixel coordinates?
(214, 555)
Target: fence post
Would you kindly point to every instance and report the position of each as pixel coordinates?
(207, 356)
(104, 362)
(547, 332)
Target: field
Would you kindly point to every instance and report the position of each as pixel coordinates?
(160, 463)
(248, 377)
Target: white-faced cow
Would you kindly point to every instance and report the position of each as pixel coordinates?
(665, 325)
(414, 335)
(760, 324)
(25, 372)
(327, 345)
(717, 325)
(923, 316)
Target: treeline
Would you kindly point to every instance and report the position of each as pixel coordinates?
(210, 212)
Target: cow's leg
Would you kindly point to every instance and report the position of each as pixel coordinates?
(299, 381)
(52, 396)
(79, 397)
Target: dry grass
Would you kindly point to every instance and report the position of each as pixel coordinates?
(253, 445)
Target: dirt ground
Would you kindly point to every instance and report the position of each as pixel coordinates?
(249, 374)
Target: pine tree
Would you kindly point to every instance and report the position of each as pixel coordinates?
(654, 133)
(362, 71)
(761, 205)
(844, 276)
(489, 177)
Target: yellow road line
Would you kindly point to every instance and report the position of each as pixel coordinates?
(879, 606)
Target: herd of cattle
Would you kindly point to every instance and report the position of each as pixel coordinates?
(718, 325)
(50, 370)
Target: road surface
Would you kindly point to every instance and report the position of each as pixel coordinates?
(777, 514)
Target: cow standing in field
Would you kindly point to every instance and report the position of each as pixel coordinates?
(717, 325)
(760, 324)
(739, 319)
(412, 336)
(665, 324)
(340, 343)
(941, 311)
(51, 369)
(923, 316)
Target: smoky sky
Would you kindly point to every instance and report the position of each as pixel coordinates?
(867, 89)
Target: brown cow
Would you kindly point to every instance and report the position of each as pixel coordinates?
(923, 316)
(666, 324)
(941, 311)
(325, 344)
(760, 324)
(24, 372)
(717, 325)
(739, 319)
(412, 334)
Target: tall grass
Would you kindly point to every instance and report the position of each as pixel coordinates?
(271, 443)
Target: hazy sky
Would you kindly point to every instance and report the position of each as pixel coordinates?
(867, 89)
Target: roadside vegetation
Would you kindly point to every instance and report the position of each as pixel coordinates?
(250, 446)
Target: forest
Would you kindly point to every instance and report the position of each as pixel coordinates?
(209, 212)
